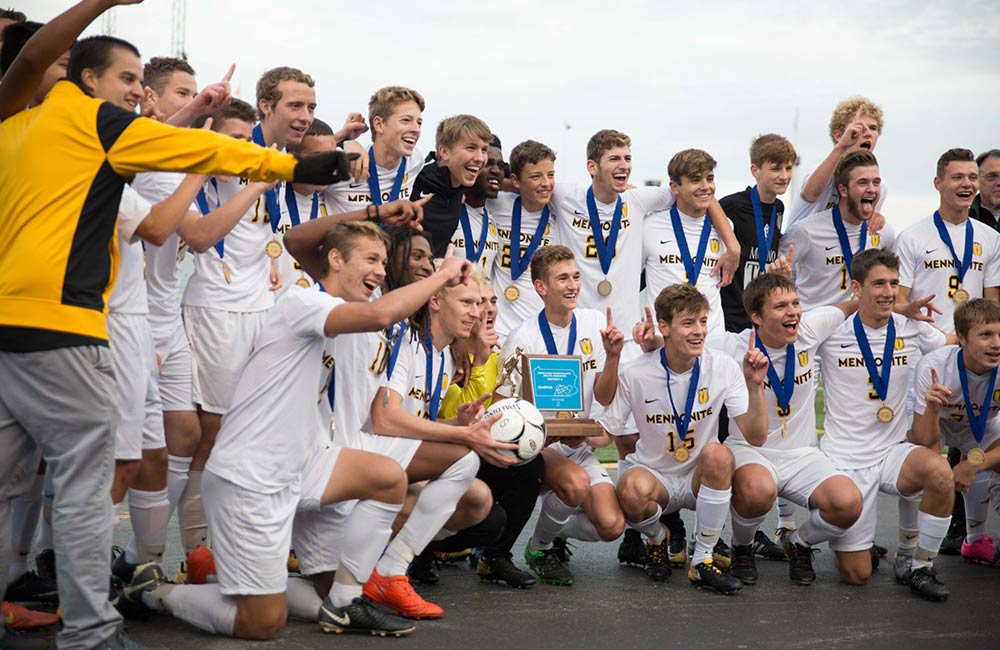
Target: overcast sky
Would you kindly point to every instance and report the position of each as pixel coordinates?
(672, 75)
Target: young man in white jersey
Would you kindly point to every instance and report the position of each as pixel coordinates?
(255, 482)
(866, 377)
(680, 246)
(826, 241)
(855, 125)
(394, 162)
(789, 463)
(476, 235)
(675, 394)
(524, 217)
(581, 502)
(949, 254)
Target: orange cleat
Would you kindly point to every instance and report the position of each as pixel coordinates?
(397, 592)
(200, 566)
(22, 618)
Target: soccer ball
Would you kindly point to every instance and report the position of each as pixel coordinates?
(521, 424)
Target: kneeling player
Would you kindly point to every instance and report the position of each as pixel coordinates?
(675, 394)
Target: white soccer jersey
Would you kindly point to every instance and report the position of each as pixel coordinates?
(665, 266)
(642, 392)
(589, 323)
(800, 421)
(854, 436)
(955, 428)
(926, 264)
(827, 199)
(363, 359)
(510, 314)
(273, 421)
(348, 196)
(492, 246)
(129, 293)
(820, 271)
(243, 255)
(572, 229)
(309, 206)
(411, 372)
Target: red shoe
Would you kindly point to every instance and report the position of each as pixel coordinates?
(22, 618)
(397, 593)
(200, 565)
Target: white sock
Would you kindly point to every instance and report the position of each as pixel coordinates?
(786, 513)
(178, 468)
(366, 532)
(977, 507)
(652, 528)
(744, 528)
(582, 528)
(815, 531)
(203, 606)
(150, 512)
(711, 506)
(552, 518)
(444, 533)
(45, 529)
(303, 601)
(25, 513)
(194, 527)
(436, 503)
(932, 532)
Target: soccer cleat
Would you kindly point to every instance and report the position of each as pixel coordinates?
(30, 588)
(422, 569)
(361, 616)
(501, 569)
(14, 640)
(677, 551)
(657, 564)
(200, 565)
(119, 641)
(547, 566)
(955, 538)
(632, 550)
(147, 577)
(744, 565)
(453, 556)
(782, 533)
(981, 551)
(397, 593)
(563, 549)
(708, 576)
(875, 558)
(881, 551)
(180, 575)
(293, 562)
(22, 618)
(901, 563)
(123, 570)
(800, 563)
(45, 563)
(767, 549)
(924, 583)
(722, 555)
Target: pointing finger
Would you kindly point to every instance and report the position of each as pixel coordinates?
(934, 377)
(753, 340)
(610, 322)
(229, 75)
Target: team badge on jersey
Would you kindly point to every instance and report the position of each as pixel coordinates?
(713, 243)
(977, 249)
(444, 381)
(586, 346)
(898, 344)
(996, 395)
(702, 395)
(493, 229)
(875, 239)
(803, 358)
(624, 210)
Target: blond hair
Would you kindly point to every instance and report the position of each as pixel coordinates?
(848, 108)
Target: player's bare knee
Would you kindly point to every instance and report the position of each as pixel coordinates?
(855, 575)
(717, 462)
(574, 487)
(845, 508)
(387, 481)
(939, 480)
(610, 528)
(154, 462)
(477, 501)
(633, 502)
(262, 624)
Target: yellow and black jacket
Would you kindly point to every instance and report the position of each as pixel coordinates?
(63, 165)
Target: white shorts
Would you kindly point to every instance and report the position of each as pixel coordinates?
(401, 450)
(252, 531)
(796, 472)
(134, 363)
(680, 491)
(221, 342)
(176, 370)
(317, 536)
(880, 477)
(585, 457)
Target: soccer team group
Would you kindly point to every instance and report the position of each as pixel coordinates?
(321, 382)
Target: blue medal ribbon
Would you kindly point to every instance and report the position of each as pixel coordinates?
(472, 253)
(691, 266)
(331, 388)
(435, 396)
(606, 248)
(373, 186)
(519, 263)
(396, 341)
(960, 266)
(880, 381)
(270, 196)
(204, 208)
(550, 341)
(782, 389)
(291, 201)
(692, 391)
(845, 244)
(763, 241)
(976, 422)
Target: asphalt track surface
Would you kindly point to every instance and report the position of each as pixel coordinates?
(618, 607)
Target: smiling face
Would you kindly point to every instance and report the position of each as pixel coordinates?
(694, 193)
(958, 185)
(290, 117)
(488, 306)
(612, 171)
(489, 179)
(877, 294)
(455, 311)
(401, 130)
(684, 336)
(121, 82)
(561, 286)
(772, 177)
(982, 345)
(465, 159)
(420, 263)
(361, 271)
(535, 184)
(778, 321)
(861, 192)
(178, 92)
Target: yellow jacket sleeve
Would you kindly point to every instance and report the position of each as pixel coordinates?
(482, 379)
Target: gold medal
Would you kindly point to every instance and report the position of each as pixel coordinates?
(511, 293)
(681, 454)
(604, 287)
(960, 296)
(225, 273)
(976, 457)
(302, 282)
(784, 427)
(273, 249)
(884, 414)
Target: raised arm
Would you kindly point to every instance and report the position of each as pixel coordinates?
(202, 232)
(730, 260)
(166, 215)
(753, 423)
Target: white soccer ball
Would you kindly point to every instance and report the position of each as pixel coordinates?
(522, 424)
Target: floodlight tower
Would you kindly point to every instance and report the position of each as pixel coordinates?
(108, 25)
(178, 28)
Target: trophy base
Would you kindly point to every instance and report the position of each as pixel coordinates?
(572, 427)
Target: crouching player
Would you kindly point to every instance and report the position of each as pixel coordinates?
(675, 394)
